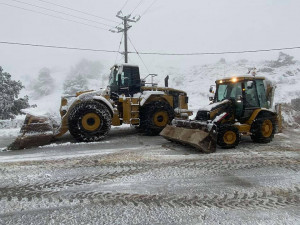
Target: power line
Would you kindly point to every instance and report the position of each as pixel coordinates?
(58, 47)
(67, 14)
(216, 53)
(75, 10)
(119, 48)
(136, 6)
(57, 17)
(150, 53)
(149, 7)
(124, 5)
(139, 55)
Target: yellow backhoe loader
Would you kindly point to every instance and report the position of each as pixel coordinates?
(89, 115)
(240, 106)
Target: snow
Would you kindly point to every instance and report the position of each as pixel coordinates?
(147, 94)
(127, 64)
(105, 101)
(12, 132)
(136, 179)
(219, 117)
(70, 144)
(120, 180)
(13, 123)
(211, 106)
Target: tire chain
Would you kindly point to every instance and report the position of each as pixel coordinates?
(212, 166)
(87, 106)
(146, 123)
(256, 126)
(259, 199)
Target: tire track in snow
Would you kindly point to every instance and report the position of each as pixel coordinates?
(258, 199)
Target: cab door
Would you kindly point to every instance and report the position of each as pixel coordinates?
(251, 100)
(129, 81)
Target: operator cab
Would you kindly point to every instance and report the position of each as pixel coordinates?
(249, 93)
(125, 79)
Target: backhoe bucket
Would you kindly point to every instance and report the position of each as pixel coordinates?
(36, 131)
(200, 139)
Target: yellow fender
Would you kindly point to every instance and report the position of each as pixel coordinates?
(255, 114)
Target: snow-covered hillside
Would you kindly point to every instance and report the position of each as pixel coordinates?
(196, 80)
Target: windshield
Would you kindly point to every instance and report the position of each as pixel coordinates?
(229, 90)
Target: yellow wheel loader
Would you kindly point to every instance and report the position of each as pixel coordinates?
(240, 106)
(89, 115)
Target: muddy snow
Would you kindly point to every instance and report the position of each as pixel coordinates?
(129, 178)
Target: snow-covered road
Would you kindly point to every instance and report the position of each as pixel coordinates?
(133, 179)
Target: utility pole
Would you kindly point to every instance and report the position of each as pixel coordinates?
(124, 29)
(125, 39)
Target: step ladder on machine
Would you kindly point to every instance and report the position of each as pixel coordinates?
(135, 111)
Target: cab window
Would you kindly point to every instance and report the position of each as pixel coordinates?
(113, 78)
(261, 91)
(251, 94)
(130, 76)
(229, 90)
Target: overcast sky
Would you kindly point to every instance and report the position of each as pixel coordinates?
(169, 26)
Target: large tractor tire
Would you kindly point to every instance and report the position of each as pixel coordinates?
(228, 136)
(155, 116)
(89, 121)
(263, 129)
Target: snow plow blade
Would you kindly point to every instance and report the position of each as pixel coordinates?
(200, 139)
(36, 131)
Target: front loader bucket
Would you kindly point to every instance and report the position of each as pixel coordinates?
(36, 131)
(197, 138)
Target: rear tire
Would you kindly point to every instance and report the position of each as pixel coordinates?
(263, 130)
(228, 136)
(155, 116)
(89, 121)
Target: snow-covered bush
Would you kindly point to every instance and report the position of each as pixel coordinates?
(222, 61)
(10, 105)
(283, 60)
(242, 62)
(75, 83)
(44, 85)
(266, 70)
(81, 73)
(88, 69)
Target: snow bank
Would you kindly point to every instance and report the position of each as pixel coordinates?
(13, 123)
(291, 117)
(13, 132)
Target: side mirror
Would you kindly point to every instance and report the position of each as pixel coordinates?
(212, 89)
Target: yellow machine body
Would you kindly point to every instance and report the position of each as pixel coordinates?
(240, 106)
